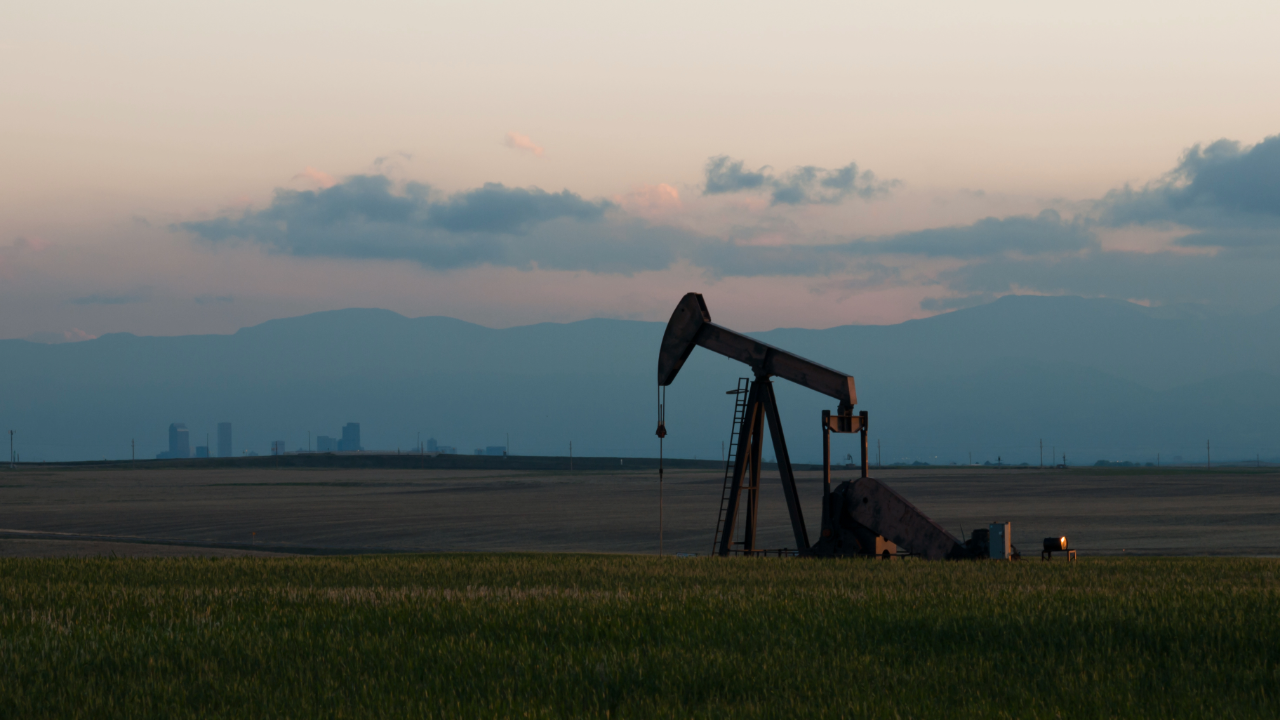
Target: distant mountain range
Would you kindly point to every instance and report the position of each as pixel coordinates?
(1096, 379)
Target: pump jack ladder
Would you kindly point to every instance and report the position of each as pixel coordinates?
(739, 410)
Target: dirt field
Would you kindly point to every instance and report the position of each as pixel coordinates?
(87, 511)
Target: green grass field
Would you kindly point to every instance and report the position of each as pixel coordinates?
(625, 636)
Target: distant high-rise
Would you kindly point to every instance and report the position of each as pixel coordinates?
(224, 439)
(350, 438)
(432, 446)
(179, 441)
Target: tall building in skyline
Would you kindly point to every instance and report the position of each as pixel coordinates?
(350, 438)
(179, 441)
(432, 446)
(224, 439)
(324, 443)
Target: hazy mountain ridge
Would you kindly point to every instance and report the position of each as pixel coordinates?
(1103, 379)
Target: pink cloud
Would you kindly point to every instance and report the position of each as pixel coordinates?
(516, 141)
(319, 177)
(651, 200)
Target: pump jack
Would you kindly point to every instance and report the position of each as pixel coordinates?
(861, 517)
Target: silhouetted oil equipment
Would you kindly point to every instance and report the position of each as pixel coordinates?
(1058, 544)
(860, 517)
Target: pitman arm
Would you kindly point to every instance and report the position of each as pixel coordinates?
(691, 325)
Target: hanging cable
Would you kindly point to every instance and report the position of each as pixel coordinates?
(662, 433)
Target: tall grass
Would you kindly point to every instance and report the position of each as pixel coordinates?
(615, 636)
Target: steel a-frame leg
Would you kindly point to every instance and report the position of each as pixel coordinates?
(784, 468)
(761, 405)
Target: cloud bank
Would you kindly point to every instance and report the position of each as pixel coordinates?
(368, 217)
(1226, 196)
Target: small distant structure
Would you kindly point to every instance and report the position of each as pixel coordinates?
(224, 439)
(350, 441)
(202, 451)
(277, 447)
(179, 443)
(326, 444)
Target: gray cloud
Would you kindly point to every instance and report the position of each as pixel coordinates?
(1224, 186)
(1230, 238)
(1235, 278)
(497, 209)
(806, 185)
(1045, 233)
(366, 217)
(727, 176)
(1226, 193)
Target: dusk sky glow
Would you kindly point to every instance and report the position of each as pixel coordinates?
(199, 167)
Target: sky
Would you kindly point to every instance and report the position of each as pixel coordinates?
(180, 168)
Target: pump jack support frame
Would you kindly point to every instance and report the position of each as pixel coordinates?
(690, 326)
(865, 508)
(762, 407)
